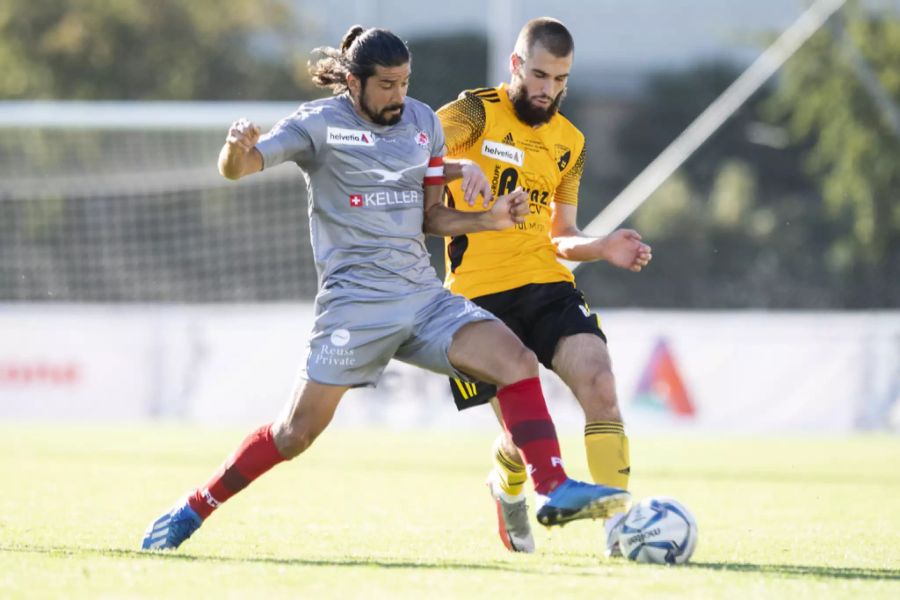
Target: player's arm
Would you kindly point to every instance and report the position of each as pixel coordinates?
(441, 220)
(474, 181)
(239, 156)
(622, 248)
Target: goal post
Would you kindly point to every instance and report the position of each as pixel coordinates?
(122, 202)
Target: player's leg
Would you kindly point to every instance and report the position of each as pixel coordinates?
(506, 483)
(582, 361)
(302, 420)
(506, 479)
(489, 351)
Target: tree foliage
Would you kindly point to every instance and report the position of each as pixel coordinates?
(793, 203)
(150, 49)
(855, 153)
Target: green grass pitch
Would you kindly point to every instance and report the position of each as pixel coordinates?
(387, 514)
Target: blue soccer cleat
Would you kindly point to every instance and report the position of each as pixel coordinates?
(572, 500)
(170, 530)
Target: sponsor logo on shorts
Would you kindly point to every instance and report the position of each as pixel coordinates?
(335, 354)
(338, 136)
(334, 357)
(470, 308)
(503, 152)
(340, 337)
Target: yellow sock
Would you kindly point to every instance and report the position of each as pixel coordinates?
(607, 453)
(512, 473)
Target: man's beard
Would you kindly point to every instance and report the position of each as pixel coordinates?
(527, 112)
(380, 117)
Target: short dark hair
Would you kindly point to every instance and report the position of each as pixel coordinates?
(360, 51)
(550, 33)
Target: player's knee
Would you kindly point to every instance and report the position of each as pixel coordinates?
(598, 396)
(520, 364)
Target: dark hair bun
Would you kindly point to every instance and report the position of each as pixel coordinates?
(352, 33)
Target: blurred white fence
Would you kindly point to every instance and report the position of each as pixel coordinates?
(740, 371)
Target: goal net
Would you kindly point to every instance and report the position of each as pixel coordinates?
(122, 202)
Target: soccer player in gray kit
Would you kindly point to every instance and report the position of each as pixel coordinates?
(373, 164)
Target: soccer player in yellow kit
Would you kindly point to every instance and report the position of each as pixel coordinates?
(517, 136)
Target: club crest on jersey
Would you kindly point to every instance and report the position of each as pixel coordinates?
(349, 137)
(422, 139)
(563, 156)
(503, 152)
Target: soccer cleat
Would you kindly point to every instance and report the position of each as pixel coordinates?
(572, 500)
(613, 527)
(170, 530)
(512, 518)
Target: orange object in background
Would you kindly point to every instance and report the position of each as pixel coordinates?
(661, 387)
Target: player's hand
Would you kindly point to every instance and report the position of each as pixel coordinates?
(624, 248)
(475, 182)
(510, 210)
(242, 135)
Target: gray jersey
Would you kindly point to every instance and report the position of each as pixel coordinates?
(365, 190)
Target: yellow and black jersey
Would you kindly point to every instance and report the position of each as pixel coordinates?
(546, 161)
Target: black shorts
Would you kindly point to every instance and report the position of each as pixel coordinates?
(540, 314)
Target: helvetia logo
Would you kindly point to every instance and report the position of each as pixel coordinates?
(349, 137)
(503, 152)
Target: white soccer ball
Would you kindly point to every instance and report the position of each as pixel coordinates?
(658, 530)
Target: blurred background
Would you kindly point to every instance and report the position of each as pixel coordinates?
(137, 283)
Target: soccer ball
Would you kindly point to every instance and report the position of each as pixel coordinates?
(658, 530)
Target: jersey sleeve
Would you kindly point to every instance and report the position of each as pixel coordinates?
(291, 139)
(434, 174)
(438, 139)
(464, 122)
(567, 191)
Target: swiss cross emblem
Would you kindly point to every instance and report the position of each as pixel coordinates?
(422, 138)
(356, 200)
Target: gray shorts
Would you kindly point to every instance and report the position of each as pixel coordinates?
(356, 333)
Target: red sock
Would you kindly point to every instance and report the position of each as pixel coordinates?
(256, 455)
(525, 415)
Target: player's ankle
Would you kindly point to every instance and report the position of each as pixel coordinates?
(202, 503)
